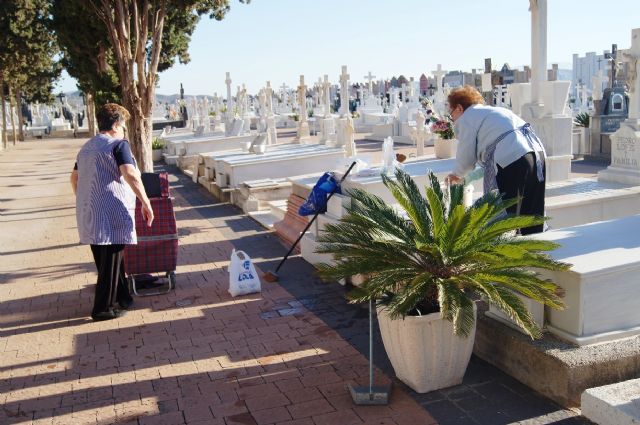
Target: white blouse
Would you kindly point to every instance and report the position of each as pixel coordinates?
(478, 127)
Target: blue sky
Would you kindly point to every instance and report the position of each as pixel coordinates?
(278, 40)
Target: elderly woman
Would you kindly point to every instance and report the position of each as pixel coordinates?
(106, 182)
(505, 146)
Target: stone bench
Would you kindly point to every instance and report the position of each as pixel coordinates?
(615, 404)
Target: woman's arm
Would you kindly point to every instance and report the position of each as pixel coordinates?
(132, 176)
(73, 178)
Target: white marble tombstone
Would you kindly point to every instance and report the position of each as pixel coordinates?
(596, 81)
(419, 133)
(439, 100)
(546, 109)
(344, 92)
(625, 142)
(229, 113)
(303, 134)
(272, 134)
(328, 123)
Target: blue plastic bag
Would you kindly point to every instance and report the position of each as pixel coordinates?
(317, 201)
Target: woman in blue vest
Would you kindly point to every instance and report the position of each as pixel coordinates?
(106, 182)
(505, 146)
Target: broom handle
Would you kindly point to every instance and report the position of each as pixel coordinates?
(314, 217)
(370, 348)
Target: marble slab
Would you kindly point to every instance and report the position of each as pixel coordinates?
(195, 145)
(235, 169)
(586, 200)
(602, 288)
(417, 169)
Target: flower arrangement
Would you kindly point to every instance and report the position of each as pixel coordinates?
(443, 128)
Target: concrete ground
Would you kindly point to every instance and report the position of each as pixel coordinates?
(197, 355)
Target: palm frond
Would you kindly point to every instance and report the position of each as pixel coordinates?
(406, 192)
(438, 252)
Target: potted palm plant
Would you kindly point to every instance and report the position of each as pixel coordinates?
(424, 265)
(156, 149)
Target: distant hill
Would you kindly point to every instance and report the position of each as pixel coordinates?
(74, 97)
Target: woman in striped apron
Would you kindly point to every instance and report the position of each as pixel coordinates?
(106, 182)
(512, 156)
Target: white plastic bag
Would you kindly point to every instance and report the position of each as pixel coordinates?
(243, 278)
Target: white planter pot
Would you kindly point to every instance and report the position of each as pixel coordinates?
(424, 352)
(156, 155)
(445, 148)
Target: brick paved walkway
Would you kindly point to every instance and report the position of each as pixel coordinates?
(196, 356)
(258, 359)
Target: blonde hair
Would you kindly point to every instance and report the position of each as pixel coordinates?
(464, 96)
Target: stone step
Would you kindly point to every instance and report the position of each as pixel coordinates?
(615, 404)
(278, 208)
(265, 218)
(170, 159)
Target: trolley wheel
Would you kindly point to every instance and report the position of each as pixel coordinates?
(132, 284)
(172, 279)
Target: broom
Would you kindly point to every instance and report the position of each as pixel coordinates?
(272, 276)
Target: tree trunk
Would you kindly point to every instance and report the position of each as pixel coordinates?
(141, 134)
(13, 116)
(5, 142)
(137, 64)
(20, 116)
(91, 114)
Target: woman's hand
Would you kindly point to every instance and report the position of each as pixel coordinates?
(147, 213)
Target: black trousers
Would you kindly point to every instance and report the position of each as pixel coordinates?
(111, 286)
(519, 179)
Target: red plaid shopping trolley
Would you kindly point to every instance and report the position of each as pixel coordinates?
(157, 248)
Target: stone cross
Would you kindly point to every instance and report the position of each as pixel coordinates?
(238, 106)
(216, 103)
(370, 78)
(578, 94)
(319, 92)
(613, 58)
(596, 82)
(438, 74)
(585, 97)
(538, 10)
(326, 86)
(412, 92)
(262, 101)
(344, 92)
(284, 89)
(419, 133)
(269, 93)
(632, 56)
(245, 100)
(229, 98)
(302, 99)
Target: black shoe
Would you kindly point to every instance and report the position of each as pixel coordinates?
(108, 315)
(126, 304)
